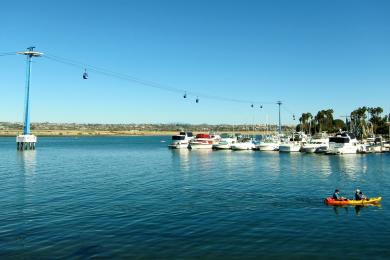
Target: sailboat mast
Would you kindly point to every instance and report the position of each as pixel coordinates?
(280, 124)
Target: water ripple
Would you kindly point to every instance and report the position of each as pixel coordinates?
(132, 197)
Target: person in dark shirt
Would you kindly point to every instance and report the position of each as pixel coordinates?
(337, 196)
(359, 195)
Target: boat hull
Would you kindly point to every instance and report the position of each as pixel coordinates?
(349, 150)
(289, 148)
(241, 147)
(309, 149)
(178, 146)
(267, 147)
(200, 146)
(222, 146)
(314, 149)
(331, 201)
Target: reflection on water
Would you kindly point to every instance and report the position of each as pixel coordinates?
(29, 161)
(292, 162)
(321, 164)
(350, 165)
(201, 159)
(123, 197)
(208, 159)
(26, 178)
(271, 165)
(358, 209)
(227, 158)
(29, 164)
(337, 209)
(183, 156)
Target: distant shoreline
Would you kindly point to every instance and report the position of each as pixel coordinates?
(7, 133)
(59, 133)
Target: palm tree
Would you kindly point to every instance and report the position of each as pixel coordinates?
(305, 121)
(319, 118)
(358, 119)
(309, 117)
(300, 122)
(329, 119)
(376, 119)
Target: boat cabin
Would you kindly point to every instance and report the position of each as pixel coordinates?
(342, 138)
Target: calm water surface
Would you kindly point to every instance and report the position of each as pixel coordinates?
(132, 196)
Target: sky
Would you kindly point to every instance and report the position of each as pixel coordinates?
(311, 55)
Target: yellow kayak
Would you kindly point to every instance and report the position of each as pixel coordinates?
(332, 201)
(362, 202)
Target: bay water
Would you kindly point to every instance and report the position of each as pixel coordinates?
(122, 197)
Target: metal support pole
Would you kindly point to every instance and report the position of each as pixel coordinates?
(26, 129)
(280, 124)
(27, 141)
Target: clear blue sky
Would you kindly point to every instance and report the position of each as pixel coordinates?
(312, 55)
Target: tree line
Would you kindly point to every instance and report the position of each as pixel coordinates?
(363, 121)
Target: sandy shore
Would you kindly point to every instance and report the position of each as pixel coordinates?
(98, 133)
(89, 133)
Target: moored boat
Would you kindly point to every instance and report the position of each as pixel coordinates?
(225, 142)
(295, 144)
(374, 144)
(181, 140)
(244, 144)
(318, 144)
(203, 141)
(343, 143)
(268, 143)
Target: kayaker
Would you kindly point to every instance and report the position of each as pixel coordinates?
(337, 196)
(359, 195)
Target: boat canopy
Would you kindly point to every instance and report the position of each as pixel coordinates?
(189, 134)
(346, 134)
(226, 135)
(203, 136)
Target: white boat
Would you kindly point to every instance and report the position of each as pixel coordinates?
(290, 147)
(268, 143)
(386, 146)
(244, 144)
(343, 143)
(373, 145)
(295, 143)
(203, 141)
(225, 143)
(318, 144)
(181, 140)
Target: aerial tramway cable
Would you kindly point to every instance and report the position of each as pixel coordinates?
(147, 83)
(7, 53)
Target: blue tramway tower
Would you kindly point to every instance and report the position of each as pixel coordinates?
(27, 141)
